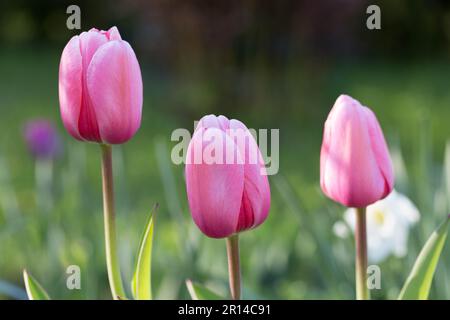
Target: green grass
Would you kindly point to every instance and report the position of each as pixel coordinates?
(293, 255)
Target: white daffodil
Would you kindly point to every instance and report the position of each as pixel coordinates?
(388, 224)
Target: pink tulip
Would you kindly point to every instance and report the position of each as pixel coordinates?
(355, 166)
(232, 194)
(100, 87)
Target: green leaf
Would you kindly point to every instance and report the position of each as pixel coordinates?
(200, 292)
(33, 288)
(141, 283)
(417, 286)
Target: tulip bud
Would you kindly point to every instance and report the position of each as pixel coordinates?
(100, 87)
(355, 166)
(227, 186)
(42, 139)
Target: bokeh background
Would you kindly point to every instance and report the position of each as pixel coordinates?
(271, 64)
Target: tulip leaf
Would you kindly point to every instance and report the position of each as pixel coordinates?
(418, 283)
(33, 288)
(200, 292)
(141, 283)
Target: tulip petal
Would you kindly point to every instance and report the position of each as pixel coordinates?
(224, 122)
(90, 42)
(256, 196)
(114, 84)
(381, 151)
(208, 121)
(214, 190)
(113, 34)
(211, 121)
(70, 86)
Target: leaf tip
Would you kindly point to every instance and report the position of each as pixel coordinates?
(26, 281)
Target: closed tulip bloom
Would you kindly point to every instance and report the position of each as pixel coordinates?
(355, 166)
(100, 87)
(230, 193)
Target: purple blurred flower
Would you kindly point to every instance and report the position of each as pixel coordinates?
(42, 139)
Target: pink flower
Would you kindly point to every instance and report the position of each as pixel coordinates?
(100, 87)
(355, 166)
(227, 186)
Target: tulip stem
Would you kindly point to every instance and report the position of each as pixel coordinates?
(362, 291)
(112, 260)
(234, 269)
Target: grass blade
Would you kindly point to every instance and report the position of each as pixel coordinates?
(418, 284)
(200, 292)
(141, 283)
(33, 288)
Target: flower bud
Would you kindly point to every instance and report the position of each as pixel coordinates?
(226, 181)
(100, 87)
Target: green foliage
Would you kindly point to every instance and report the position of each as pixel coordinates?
(293, 255)
(141, 283)
(200, 292)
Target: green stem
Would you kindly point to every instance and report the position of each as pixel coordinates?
(234, 266)
(362, 291)
(112, 260)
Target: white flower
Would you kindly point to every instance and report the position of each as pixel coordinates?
(388, 224)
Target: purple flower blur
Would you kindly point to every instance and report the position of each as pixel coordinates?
(42, 139)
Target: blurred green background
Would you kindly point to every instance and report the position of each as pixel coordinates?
(271, 64)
